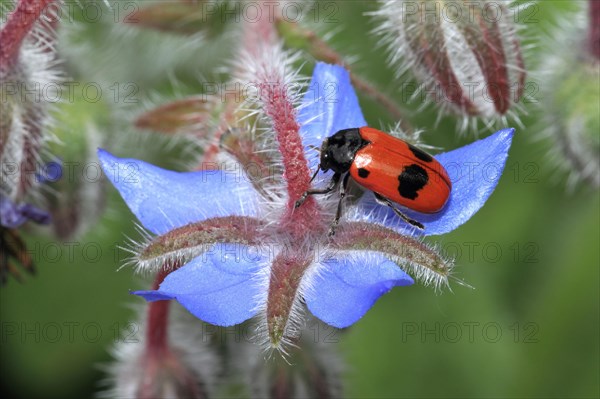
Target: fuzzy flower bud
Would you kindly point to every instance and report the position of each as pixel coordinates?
(167, 378)
(571, 96)
(465, 55)
(26, 79)
(310, 369)
(80, 195)
(139, 376)
(171, 360)
(183, 17)
(191, 113)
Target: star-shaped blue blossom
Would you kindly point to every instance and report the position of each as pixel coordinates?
(226, 284)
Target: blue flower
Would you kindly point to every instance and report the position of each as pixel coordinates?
(228, 283)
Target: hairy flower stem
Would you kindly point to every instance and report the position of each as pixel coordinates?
(158, 319)
(282, 384)
(280, 110)
(165, 373)
(594, 29)
(19, 24)
(283, 115)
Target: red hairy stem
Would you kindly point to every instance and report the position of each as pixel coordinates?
(158, 320)
(258, 34)
(278, 106)
(594, 29)
(19, 24)
(165, 371)
(283, 116)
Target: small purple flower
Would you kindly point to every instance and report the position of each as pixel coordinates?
(239, 260)
(27, 61)
(13, 215)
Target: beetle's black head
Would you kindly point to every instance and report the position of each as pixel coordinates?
(338, 151)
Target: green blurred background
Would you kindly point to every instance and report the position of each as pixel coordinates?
(529, 329)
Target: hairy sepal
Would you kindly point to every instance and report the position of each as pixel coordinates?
(416, 257)
(180, 245)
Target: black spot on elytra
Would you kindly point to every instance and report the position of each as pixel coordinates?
(412, 179)
(420, 154)
(362, 172)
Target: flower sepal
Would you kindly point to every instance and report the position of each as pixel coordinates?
(182, 244)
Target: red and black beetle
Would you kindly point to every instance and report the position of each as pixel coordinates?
(396, 171)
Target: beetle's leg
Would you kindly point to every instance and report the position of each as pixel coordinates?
(332, 184)
(384, 201)
(315, 174)
(338, 214)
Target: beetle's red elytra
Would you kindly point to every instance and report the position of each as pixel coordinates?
(396, 171)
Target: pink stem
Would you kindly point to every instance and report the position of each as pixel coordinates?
(19, 24)
(594, 30)
(160, 361)
(280, 109)
(158, 320)
(278, 106)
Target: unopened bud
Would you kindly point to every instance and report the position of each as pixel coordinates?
(183, 17)
(183, 115)
(571, 96)
(80, 190)
(27, 81)
(466, 55)
(312, 369)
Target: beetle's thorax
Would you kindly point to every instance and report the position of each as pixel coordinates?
(339, 150)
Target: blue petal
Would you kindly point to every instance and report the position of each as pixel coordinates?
(348, 285)
(152, 295)
(329, 105)
(474, 171)
(221, 287)
(163, 200)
